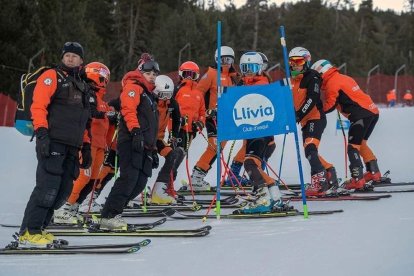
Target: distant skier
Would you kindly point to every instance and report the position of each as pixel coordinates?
(137, 138)
(391, 98)
(306, 85)
(343, 93)
(60, 113)
(408, 98)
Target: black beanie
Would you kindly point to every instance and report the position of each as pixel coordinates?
(72, 47)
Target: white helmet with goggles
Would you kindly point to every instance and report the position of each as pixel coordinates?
(299, 56)
(164, 87)
(251, 63)
(227, 55)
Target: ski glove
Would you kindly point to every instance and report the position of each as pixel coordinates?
(155, 160)
(137, 139)
(109, 160)
(211, 113)
(42, 142)
(86, 156)
(197, 126)
(112, 117)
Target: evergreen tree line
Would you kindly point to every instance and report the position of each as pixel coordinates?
(116, 32)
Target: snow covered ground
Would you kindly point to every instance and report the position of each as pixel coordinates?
(369, 238)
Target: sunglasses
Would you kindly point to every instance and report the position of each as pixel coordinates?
(150, 66)
(297, 61)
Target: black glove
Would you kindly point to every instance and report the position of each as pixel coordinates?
(42, 142)
(109, 160)
(172, 141)
(155, 160)
(86, 156)
(112, 117)
(137, 139)
(197, 126)
(211, 113)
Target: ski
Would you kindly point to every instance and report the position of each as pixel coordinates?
(337, 198)
(13, 249)
(36, 251)
(383, 191)
(255, 216)
(199, 232)
(140, 226)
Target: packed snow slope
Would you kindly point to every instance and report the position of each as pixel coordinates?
(368, 238)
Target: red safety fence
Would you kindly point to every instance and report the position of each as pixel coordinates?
(7, 110)
(377, 88)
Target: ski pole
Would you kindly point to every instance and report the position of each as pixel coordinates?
(281, 157)
(345, 144)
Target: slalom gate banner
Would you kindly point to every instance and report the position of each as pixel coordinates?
(246, 112)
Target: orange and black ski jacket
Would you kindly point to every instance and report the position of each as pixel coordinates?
(191, 103)
(391, 96)
(342, 92)
(64, 110)
(307, 97)
(138, 109)
(208, 85)
(168, 110)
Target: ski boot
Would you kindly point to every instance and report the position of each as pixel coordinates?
(197, 180)
(116, 223)
(373, 173)
(319, 185)
(160, 194)
(262, 204)
(36, 240)
(357, 181)
(234, 177)
(67, 214)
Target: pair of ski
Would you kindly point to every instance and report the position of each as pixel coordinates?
(118, 248)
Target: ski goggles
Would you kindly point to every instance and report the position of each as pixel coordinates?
(69, 43)
(250, 68)
(297, 61)
(164, 95)
(150, 66)
(191, 75)
(227, 60)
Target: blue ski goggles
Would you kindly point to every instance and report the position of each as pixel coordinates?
(250, 68)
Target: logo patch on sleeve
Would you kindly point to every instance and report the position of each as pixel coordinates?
(47, 81)
(131, 93)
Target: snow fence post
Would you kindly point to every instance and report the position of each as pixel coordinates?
(295, 132)
(218, 160)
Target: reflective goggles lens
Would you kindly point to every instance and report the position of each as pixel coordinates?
(73, 43)
(191, 75)
(165, 95)
(252, 68)
(150, 66)
(227, 60)
(297, 61)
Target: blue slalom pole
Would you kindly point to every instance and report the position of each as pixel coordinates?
(218, 160)
(302, 182)
(281, 157)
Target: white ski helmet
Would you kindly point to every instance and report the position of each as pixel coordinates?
(227, 55)
(251, 63)
(299, 56)
(265, 61)
(321, 66)
(164, 87)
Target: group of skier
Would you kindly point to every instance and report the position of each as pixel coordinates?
(81, 139)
